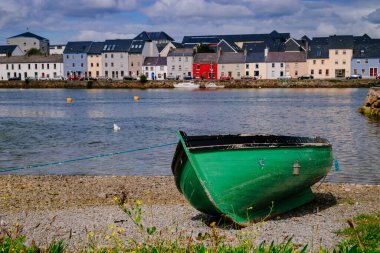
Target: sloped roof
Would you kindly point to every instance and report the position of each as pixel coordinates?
(206, 58)
(77, 47)
(286, 57)
(236, 38)
(7, 49)
(229, 46)
(254, 47)
(55, 58)
(28, 35)
(226, 58)
(153, 36)
(161, 46)
(181, 52)
(254, 57)
(293, 45)
(177, 44)
(155, 61)
(119, 45)
(136, 46)
(367, 50)
(96, 48)
(341, 41)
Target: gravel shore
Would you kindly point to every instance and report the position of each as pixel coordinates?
(65, 207)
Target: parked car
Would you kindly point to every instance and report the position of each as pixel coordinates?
(306, 76)
(73, 78)
(14, 78)
(286, 77)
(187, 78)
(354, 76)
(57, 78)
(226, 78)
(43, 78)
(248, 78)
(129, 78)
(170, 77)
(106, 78)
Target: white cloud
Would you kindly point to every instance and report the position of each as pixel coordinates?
(101, 36)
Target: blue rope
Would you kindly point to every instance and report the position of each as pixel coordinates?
(84, 158)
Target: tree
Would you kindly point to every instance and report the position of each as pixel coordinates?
(143, 78)
(204, 48)
(34, 51)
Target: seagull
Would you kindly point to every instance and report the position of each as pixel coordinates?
(116, 128)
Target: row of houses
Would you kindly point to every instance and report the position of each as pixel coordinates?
(156, 55)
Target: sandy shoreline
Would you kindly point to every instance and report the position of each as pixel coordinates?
(64, 207)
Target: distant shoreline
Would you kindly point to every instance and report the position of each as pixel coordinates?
(167, 84)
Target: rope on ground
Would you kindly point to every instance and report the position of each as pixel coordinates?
(84, 158)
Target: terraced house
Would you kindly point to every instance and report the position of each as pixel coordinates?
(366, 57)
(231, 65)
(35, 66)
(180, 63)
(94, 59)
(115, 58)
(75, 59)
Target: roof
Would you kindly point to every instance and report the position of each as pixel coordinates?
(119, 45)
(369, 49)
(293, 45)
(136, 47)
(161, 46)
(96, 48)
(226, 58)
(7, 49)
(153, 36)
(274, 35)
(77, 47)
(254, 47)
(255, 57)
(228, 46)
(181, 52)
(206, 58)
(341, 42)
(28, 35)
(155, 61)
(33, 59)
(286, 57)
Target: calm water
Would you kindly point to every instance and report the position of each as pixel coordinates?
(38, 126)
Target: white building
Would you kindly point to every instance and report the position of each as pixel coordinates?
(35, 66)
(155, 68)
(57, 49)
(180, 62)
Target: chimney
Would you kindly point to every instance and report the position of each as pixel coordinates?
(266, 50)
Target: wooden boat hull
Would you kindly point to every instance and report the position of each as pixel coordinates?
(246, 182)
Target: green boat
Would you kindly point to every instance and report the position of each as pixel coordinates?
(247, 178)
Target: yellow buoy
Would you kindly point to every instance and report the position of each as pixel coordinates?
(136, 98)
(69, 100)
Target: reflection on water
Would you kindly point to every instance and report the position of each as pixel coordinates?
(39, 126)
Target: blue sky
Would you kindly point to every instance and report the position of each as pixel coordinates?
(97, 20)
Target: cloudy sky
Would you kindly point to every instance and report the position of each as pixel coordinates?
(97, 20)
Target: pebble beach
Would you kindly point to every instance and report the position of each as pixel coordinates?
(50, 208)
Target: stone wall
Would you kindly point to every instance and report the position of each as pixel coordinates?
(371, 106)
(103, 84)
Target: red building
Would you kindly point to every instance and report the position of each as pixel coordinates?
(205, 66)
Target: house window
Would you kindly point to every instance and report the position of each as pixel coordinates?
(281, 73)
(339, 73)
(81, 56)
(247, 66)
(314, 61)
(105, 64)
(282, 65)
(257, 66)
(198, 67)
(47, 66)
(105, 55)
(272, 65)
(344, 51)
(67, 57)
(92, 64)
(247, 73)
(73, 65)
(323, 62)
(179, 59)
(344, 61)
(296, 73)
(151, 68)
(327, 72)
(97, 64)
(355, 71)
(111, 55)
(320, 72)
(366, 60)
(35, 66)
(312, 72)
(238, 74)
(28, 66)
(42, 66)
(81, 65)
(7, 66)
(180, 67)
(146, 68)
(357, 61)
(131, 64)
(336, 62)
(336, 52)
(111, 64)
(97, 73)
(12, 66)
(19, 66)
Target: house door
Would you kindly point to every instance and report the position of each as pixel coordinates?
(164, 75)
(152, 76)
(372, 71)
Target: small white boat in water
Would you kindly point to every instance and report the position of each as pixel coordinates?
(188, 85)
(213, 85)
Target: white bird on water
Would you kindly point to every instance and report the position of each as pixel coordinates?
(116, 128)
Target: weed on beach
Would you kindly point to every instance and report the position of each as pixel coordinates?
(363, 235)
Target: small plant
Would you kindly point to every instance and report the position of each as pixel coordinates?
(363, 233)
(143, 78)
